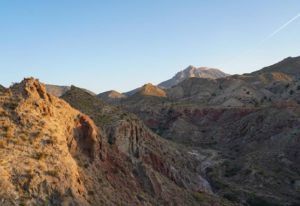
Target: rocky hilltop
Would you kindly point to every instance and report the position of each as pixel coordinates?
(191, 71)
(58, 91)
(53, 154)
(111, 96)
(151, 90)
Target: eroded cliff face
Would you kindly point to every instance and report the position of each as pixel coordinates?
(146, 149)
(159, 167)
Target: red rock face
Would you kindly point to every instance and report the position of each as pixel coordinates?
(245, 138)
(87, 138)
(158, 164)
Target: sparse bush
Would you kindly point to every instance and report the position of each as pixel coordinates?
(259, 201)
(232, 170)
(23, 137)
(11, 105)
(38, 155)
(2, 143)
(38, 135)
(200, 197)
(53, 173)
(47, 142)
(231, 196)
(3, 112)
(91, 193)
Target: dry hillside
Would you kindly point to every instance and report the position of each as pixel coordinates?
(52, 154)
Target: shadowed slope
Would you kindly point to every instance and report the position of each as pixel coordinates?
(160, 167)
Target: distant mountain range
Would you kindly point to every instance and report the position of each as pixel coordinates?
(112, 95)
(191, 71)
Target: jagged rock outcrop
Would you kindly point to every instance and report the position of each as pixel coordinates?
(86, 139)
(40, 165)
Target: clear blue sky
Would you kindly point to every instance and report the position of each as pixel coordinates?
(122, 44)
